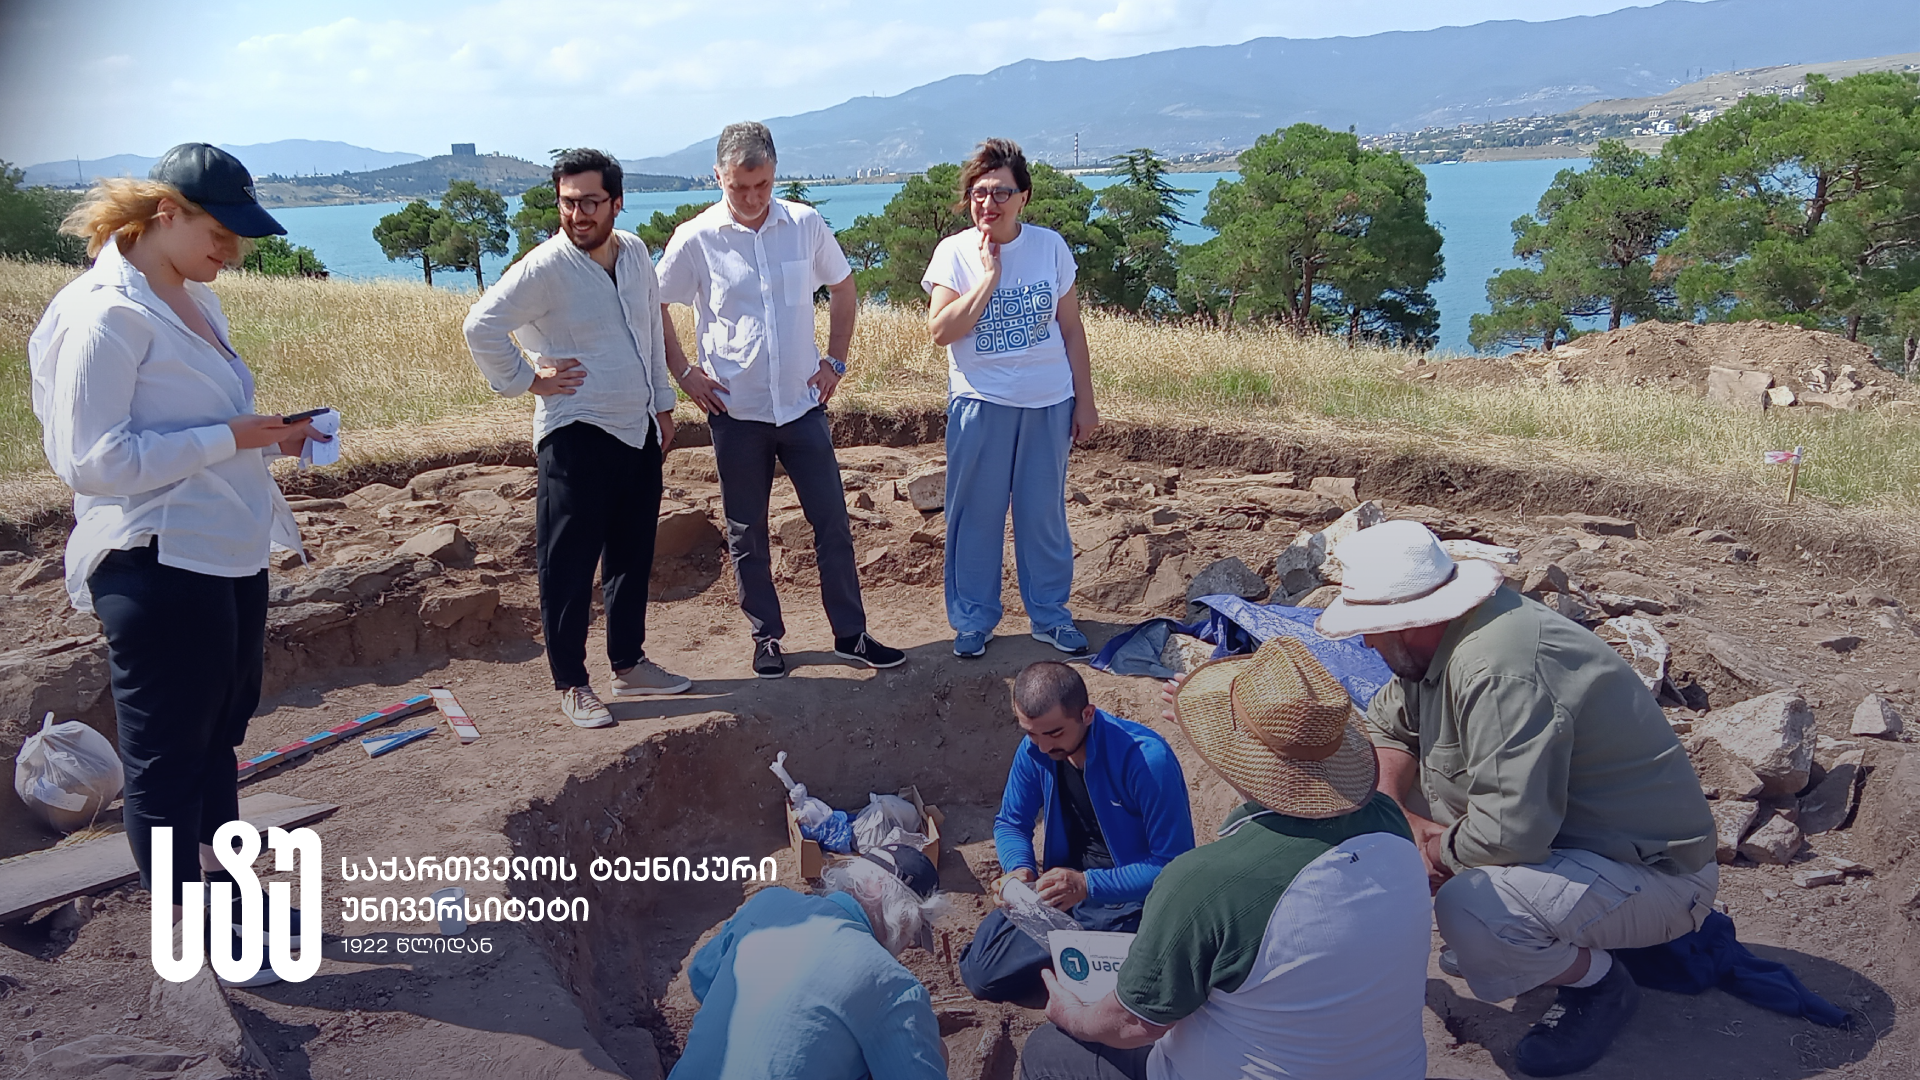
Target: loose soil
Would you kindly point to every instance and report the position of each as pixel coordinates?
(1678, 356)
(1745, 605)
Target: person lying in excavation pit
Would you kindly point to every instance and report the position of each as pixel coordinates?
(809, 987)
(1114, 803)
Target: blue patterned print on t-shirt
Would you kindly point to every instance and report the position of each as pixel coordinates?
(1016, 318)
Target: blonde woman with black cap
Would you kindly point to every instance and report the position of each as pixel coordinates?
(147, 414)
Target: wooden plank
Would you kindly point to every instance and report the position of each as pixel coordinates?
(34, 881)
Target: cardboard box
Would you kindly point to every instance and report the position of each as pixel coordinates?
(809, 858)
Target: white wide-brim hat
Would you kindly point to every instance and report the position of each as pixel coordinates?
(1398, 577)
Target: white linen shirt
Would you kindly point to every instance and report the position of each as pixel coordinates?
(559, 303)
(133, 410)
(752, 295)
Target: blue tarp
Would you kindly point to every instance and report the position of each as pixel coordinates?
(1236, 625)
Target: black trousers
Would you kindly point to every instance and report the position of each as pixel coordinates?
(1002, 963)
(598, 503)
(185, 655)
(1052, 1054)
(744, 452)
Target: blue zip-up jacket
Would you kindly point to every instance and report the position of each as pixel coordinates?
(1139, 796)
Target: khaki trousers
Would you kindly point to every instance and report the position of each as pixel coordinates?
(1512, 928)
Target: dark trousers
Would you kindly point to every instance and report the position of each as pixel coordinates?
(1052, 1054)
(185, 653)
(598, 502)
(1002, 963)
(744, 452)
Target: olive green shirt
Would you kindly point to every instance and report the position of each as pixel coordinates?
(1533, 734)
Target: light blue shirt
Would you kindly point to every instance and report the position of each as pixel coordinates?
(795, 987)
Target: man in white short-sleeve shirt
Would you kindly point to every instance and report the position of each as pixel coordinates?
(749, 267)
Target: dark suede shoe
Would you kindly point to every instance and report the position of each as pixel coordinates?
(1576, 1032)
(863, 648)
(767, 661)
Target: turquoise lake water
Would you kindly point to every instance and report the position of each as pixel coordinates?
(1473, 205)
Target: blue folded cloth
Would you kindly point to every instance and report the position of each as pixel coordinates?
(1711, 956)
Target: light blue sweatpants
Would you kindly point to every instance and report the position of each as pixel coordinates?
(997, 456)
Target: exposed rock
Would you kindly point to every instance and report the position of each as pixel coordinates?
(1774, 843)
(1293, 503)
(1620, 604)
(1743, 663)
(1840, 643)
(1773, 734)
(1364, 516)
(484, 503)
(1474, 549)
(927, 489)
(1739, 389)
(862, 500)
(1877, 717)
(1721, 770)
(444, 544)
(791, 531)
(307, 618)
(1320, 598)
(359, 581)
(352, 553)
(121, 1057)
(684, 532)
(928, 538)
(1549, 578)
(1830, 803)
(1780, 396)
(306, 504)
(1341, 489)
(1596, 524)
(1226, 576)
(1306, 553)
(1642, 646)
(1169, 587)
(444, 607)
(1572, 608)
(695, 465)
(199, 1006)
(1120, 577)
(447, 484)
(1165, 515)
(1731, 820)
(1183, 653)
(1813, 879)
(38, 572)
(11, 557)
(68, 677)
(374, 496)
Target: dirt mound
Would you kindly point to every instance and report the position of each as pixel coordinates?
(1817, 368)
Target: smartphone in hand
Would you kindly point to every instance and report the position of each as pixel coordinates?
(294, 418)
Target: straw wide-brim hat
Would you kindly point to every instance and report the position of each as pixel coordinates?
(1278, 726)
(1396, 576)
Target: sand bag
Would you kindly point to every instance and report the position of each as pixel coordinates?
(67, 773)
(883, 814)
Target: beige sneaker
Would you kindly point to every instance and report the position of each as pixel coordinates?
(583, 707)
(647, 677)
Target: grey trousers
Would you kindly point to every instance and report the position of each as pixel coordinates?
(1514, 927)
(744, 452)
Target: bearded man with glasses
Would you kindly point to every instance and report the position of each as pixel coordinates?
(585, 308)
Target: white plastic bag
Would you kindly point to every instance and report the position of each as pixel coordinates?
(1035, 917)
(884, 813)
(67, 773)
(810, 812)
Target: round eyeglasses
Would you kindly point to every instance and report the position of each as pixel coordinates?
(999, 195)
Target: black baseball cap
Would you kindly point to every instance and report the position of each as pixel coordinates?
(906, 862)
(215, 179)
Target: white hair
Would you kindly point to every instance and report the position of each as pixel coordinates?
(746, 145)
(895, 911)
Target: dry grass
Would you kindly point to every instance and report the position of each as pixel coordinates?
(390, 356)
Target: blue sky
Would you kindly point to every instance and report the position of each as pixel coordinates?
(90, 78)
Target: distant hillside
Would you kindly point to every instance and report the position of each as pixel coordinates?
(1721, 90)
(1220, 98)
(428, 179)
(287, 157)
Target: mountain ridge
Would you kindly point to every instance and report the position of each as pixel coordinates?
(282, 157)
(1220, 97)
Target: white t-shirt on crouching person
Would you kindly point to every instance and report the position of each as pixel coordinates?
(1015, 355)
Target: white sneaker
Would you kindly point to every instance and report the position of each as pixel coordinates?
(583, 707)
(647, 677)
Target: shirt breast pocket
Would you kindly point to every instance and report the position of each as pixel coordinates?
(1447, 760)
(797, 280)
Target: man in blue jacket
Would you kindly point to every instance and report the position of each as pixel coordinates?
(1114, 803)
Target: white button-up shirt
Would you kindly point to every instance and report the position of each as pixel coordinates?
(559, 303)
(752, 295)
(133, 410)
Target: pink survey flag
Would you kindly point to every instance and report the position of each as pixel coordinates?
(1785, 457)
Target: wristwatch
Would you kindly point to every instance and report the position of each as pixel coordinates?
(839, 366)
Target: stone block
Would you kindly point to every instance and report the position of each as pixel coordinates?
(444, 607)
(444, 544)
(1721, 770)
(1813, 879)
(1341, 489)
(1830, 803)
(927, 489)
(791, 531)
(1474, 549)
(1226, 576)
(1731, 820)
(685, 531)
(1549, 578)
(1876, 717)
(1365, 516)
(1738, 389)
(1772, 734)
(1775, 843)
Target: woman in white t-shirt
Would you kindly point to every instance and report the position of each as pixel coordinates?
(1020, 393)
